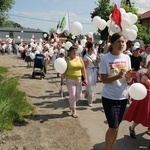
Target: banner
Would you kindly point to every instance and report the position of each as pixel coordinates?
(63, 24)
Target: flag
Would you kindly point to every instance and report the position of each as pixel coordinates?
(63, 24)
(116, 14)
(33, 38)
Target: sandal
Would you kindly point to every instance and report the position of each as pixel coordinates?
(74, 115)
(132, 133)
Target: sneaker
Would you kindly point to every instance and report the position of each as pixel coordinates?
(132, 133)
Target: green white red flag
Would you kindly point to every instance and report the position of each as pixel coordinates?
(63, 24)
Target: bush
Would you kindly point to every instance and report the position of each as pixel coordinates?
(13, 104)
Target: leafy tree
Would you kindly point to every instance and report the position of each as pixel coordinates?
(104, 9)
(5, 5)
(9, 23)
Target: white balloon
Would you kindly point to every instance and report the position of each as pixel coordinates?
(110, 32)
(60, 65)
(125, 33)
(80, 48)
(132, 17)
(102, 25)
(110, 16)
(97, 21)
(108, 23)
(137, 91)
(115, 28)
(45, 35)
(125, 15)
(125, 23)
(68, 44)
(132, 34)
(32, 55)
(134, 27)
(122, 10)
(76, 28)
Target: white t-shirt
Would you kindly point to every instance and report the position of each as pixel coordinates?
(111, 65)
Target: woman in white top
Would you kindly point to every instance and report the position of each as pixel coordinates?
(90, 60)
(115, 71)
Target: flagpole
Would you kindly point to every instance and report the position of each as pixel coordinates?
(109, 30)
(69, 21)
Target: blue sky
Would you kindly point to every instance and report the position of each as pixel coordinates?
(45, 14)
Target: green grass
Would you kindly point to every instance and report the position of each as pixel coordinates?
(13, 104)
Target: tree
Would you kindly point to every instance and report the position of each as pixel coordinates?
(103, 10)
(5, 5)
(9, 23)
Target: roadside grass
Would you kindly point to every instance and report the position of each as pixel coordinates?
(13, 104)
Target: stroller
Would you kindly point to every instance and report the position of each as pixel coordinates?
(39, 68)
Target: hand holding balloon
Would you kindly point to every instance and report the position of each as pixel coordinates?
(131, 74)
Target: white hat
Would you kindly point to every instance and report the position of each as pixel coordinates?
(135, 47)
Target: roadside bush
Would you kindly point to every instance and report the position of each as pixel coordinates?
(13, 104)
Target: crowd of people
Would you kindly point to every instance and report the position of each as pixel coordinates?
(117, 68)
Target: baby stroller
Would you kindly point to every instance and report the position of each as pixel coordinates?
(39, 68)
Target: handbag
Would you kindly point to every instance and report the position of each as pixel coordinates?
(83, 82)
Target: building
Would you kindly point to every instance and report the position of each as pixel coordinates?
(62, 37)
(19, 34)
(145, 20)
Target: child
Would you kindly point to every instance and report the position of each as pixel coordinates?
(139, 110)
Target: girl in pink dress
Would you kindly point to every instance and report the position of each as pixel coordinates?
(139, 110)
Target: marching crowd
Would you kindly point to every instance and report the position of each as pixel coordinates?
(113, 64)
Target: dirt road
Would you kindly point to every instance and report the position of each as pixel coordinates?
(52, 127)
